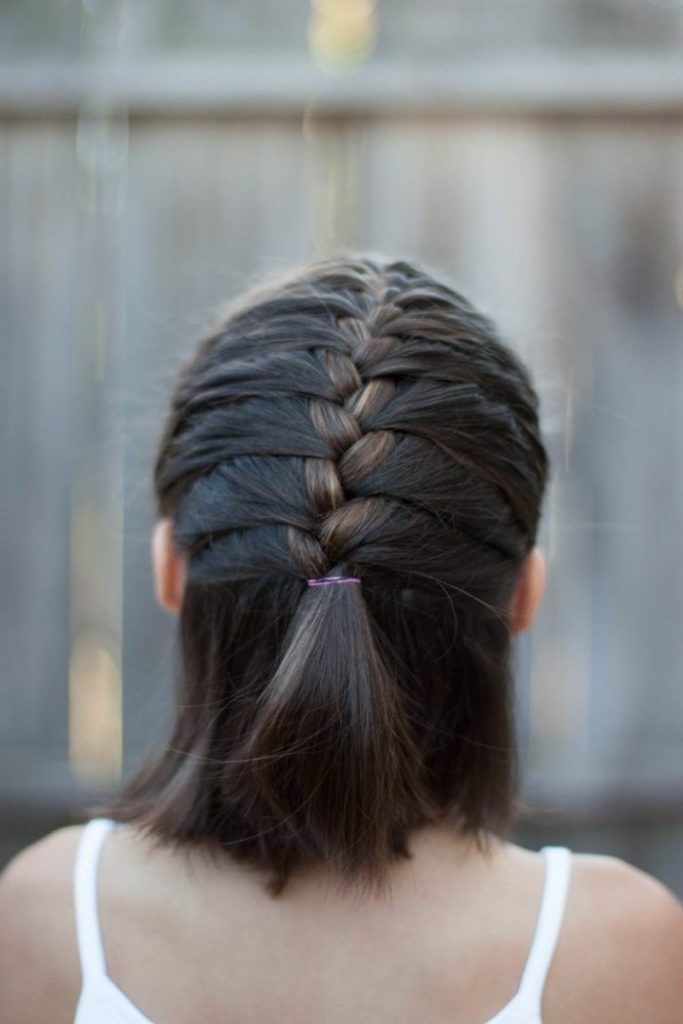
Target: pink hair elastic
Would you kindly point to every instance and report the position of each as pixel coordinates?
(333, 579)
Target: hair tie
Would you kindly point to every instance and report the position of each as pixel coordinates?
(333, 579)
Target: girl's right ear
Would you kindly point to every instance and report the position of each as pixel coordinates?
(169, 567)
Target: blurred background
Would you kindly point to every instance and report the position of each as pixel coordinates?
(156, 158)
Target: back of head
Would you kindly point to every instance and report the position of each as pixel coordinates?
(358, 419)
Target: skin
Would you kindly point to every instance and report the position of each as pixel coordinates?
(190, 940)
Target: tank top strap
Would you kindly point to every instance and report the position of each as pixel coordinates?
(551, 913)
(88, 934)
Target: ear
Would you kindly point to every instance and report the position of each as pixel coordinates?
(528, 591)
(169, 567)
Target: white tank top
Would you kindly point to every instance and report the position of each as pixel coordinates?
(102, 1002)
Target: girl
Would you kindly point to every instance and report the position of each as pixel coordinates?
(349, 488)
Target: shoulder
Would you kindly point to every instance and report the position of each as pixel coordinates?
(620, 953)
(41, 870)
(39, 969)
(626, 898)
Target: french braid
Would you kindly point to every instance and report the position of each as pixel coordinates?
(357, 417)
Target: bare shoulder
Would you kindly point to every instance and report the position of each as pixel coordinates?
(39, 969)
(620, 953)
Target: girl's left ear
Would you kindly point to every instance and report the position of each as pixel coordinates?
(169, 567)
(528, 591)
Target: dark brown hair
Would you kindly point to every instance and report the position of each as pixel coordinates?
(357, 417)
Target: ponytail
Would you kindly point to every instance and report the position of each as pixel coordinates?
(330, 752)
